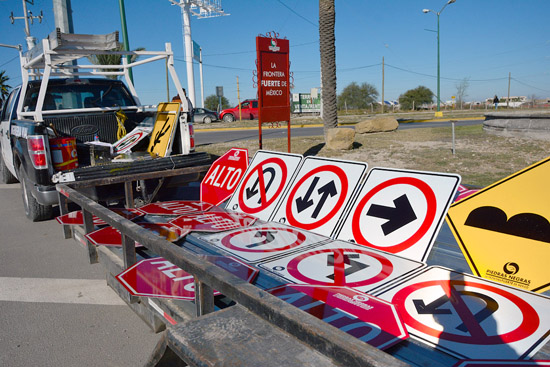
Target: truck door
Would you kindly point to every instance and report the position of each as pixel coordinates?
(8, 114)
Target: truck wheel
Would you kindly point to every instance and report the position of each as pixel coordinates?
(207, 119)
(33, 209)
(5, 174)
(228, 118)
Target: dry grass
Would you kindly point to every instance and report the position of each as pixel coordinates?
(480, 158)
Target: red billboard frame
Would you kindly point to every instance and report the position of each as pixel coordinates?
(273, 69)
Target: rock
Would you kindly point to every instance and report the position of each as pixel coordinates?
(340, 138)
(377, 124)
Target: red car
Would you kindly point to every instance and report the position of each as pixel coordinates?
(249, 111)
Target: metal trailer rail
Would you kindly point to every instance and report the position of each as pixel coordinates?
(340, 347)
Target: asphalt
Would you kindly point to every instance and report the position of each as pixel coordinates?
(283, 126)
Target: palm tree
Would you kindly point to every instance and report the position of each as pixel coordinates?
(4, 87)
(103, 59)
(327, 17)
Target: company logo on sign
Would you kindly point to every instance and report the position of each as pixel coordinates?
(273, 47)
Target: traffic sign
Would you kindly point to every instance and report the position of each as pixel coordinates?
(367, 318)
(131, 139)
(400, 211)
(470, 317)
(213, 221)
(261, 242)
(109, 236)
(223, 176)
(176, 207)
(76, 218)
(157, 277)
(319, 194)
(264, 183)
(504, 230)
(339, 263)
(500, 363)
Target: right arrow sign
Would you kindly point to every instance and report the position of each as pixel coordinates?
(398, 216)
(400, 211)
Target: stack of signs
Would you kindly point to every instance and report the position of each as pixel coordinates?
(214, 221)
(260, 242)
(319, 194)
(367, 318)
(110, 236)
(264, 183)
(341, 264)
(224, 174)
(159, 278)
(400, 211)
(470, 317)
(76, 218)
(175, 207)
(504, 230)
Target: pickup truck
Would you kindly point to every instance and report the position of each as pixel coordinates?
(249, 111)
(68, 100)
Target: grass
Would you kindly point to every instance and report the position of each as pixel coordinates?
(480, 158)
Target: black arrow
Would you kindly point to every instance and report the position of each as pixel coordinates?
(325, 191)
(398, 216)
(354, 267)
(432, 308)
(161, 133)
(251, 191)
(305, 202)
(269, 237)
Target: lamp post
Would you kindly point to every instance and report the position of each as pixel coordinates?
(438, 113)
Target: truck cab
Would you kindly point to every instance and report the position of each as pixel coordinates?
(59, 100)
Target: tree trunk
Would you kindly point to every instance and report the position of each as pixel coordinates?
(327, 17)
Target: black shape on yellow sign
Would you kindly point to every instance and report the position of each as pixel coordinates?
(504, 229)
(526, 225)
(164, 130)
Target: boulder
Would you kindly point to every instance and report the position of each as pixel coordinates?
(377, 124)
(340, 138)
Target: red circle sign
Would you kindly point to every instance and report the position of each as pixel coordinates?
(300, 238)
(339, 277)
(344, 190)
(527, 327)
(259, 169)
(424, 227)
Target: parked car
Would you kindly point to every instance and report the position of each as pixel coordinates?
(204, 116)
(249, 111)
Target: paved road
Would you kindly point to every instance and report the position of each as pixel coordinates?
(56, 309)
(204, 137)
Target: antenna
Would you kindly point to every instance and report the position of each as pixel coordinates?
(31, 41)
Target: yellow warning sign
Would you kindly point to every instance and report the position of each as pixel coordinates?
(504, 230)
(164, 129)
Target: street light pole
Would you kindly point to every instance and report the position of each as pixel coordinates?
(438, 113)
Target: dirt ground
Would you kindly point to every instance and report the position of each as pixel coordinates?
(480, 158)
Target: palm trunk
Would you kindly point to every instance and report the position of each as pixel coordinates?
(327, 17)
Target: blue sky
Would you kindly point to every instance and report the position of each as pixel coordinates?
(483, 40)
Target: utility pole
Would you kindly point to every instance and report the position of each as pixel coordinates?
(509, 78)
(382, 84)
(31, 41)
(63, 16)
(239, 98)
(125, 41)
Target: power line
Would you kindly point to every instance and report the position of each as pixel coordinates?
(454, 79)
(298, 15)
(7, 62)
(530, 86)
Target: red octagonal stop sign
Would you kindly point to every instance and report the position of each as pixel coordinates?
(367, 318)
(223, 176)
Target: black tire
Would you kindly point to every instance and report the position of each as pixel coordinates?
(207, 120)
(33, 209)
(6, 176)
(228, 117)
